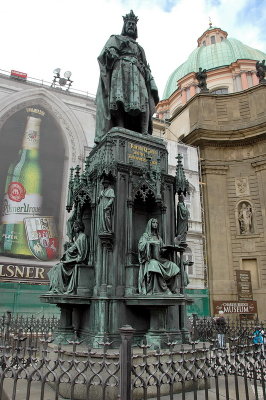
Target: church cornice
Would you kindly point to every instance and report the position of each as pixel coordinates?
(235, 117)
(213, 168)
(200, 137)
(259, 165)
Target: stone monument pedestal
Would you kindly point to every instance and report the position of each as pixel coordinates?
(107, 292)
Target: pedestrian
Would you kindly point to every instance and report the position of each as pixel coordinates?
(258, 338)
(221, 329)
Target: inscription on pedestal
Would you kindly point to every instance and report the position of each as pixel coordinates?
(140, 153)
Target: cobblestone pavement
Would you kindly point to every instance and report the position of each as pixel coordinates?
(35, 389)
(50, 394)
(222, 394)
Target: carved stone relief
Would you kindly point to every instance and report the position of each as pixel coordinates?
(248, 246)
(242, 187)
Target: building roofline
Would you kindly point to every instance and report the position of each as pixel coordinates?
(47, 85)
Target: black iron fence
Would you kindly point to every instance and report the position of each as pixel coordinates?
(14, 323)
(206, 329)
(34, 368)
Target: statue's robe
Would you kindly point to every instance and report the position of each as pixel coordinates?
(182, 221)
(105, 216)
(157, 274)
(63, 276)
(125, 81)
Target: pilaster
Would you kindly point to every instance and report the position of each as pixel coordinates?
(219, 254)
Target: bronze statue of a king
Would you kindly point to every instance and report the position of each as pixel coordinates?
(127, 93)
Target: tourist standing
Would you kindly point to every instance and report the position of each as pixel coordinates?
(221, 329)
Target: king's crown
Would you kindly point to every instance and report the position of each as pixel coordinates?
(130, 17)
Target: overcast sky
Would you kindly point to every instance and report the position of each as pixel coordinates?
(39, 36)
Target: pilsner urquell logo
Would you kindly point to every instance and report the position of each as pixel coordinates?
(24, 208)
(16, 191)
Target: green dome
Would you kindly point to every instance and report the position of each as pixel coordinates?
(210, 57)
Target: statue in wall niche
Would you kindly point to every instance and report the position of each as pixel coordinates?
(261, 68)
(157, 274)
(182, 220)
(127, 93)
(105, 207)
(63, 276)
(245, 218)
(201, 77)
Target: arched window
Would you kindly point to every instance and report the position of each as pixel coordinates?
(223, 90)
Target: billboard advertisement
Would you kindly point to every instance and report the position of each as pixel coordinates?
(31, 175)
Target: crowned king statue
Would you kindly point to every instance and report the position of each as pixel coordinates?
(127, 93)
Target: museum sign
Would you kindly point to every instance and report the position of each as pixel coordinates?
(235, 307)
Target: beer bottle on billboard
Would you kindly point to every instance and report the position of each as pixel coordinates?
(23, 189)
(8, 180)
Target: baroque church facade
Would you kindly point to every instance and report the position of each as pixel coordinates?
(228, 126)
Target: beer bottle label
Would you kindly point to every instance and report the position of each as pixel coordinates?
(18, 205)
(32, 135)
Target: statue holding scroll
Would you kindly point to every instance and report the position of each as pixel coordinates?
(157, 274)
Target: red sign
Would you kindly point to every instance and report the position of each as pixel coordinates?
(18, 74)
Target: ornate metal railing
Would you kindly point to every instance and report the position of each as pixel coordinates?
(200, 372)
(33, 367)
(206, 329)
(56, 370)
(14, 323)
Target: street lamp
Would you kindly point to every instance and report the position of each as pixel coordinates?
(61, 81)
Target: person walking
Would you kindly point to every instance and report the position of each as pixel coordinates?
(258, 338)
(221, 329)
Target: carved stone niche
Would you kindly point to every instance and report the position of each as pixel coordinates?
(245, 217)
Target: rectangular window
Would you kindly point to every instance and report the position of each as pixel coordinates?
(190, 270)
(213, 41)
(252, 266)
(249, 78)
(183, 151)
(189, 258)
